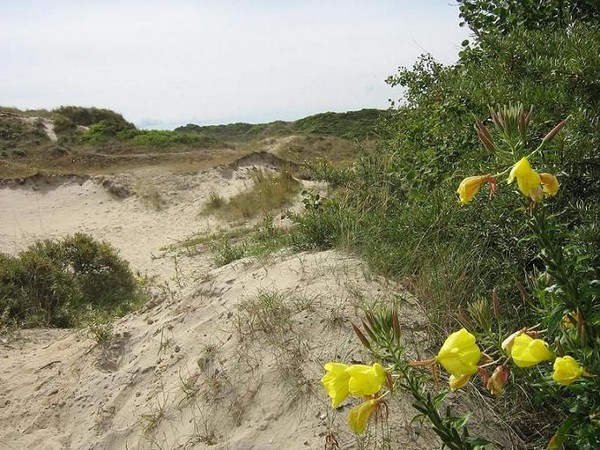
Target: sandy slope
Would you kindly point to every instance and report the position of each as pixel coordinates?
(227, 358)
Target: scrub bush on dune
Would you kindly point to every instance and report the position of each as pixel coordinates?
(56, 282)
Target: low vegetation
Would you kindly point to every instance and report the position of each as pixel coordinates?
(91, 140)
(269, 192)
(349, 125)
(65, 283)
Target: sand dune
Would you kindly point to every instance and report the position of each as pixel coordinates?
(226, 358)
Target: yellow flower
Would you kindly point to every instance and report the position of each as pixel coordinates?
(509, 341)
(335, 382)
(566, 370)
(358, 417)
(366, 380)
(358, 379)
(528, 180)
(527, 352)
(458, 382)
(459, 355)
(469, 187)
(549, 184)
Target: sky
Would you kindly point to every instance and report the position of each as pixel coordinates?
(167, 63)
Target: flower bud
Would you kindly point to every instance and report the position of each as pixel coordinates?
(554, 131)
(566, 370)
(469, 187)
(495, 384)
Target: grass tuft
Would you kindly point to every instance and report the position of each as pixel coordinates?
(268, 193)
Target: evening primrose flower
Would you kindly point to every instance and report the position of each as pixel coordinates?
(549, 184)
(358, 417)
(509, 341)
(469, 187)
(458, 382)
(460, 354)
(527, 352)
(366, 380)
(566, 370)
(358, 379)
(335, 382)
(528, 180)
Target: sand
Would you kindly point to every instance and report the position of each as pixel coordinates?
(223, 358)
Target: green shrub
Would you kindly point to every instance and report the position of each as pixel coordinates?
(54, 282)
(90, 116)
(165, 138)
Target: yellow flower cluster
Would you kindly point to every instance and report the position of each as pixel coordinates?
(460, 356)
(359, 380)
(530, 183)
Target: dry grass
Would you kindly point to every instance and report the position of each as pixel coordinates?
(270, 192)
(93, 161)
(150, 196)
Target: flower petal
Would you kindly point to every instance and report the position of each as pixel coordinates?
(549, 184)
(358, 417)
(527, 352)
(335, 382)
(528, 180)
(458, 382)
(566, 370)
(460, 354)
(469, 187)
(366, 380)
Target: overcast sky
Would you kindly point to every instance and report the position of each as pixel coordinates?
(167, 63)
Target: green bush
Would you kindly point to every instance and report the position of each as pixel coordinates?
(89, 116)
(54, 282)
(15, 133)
(165, 138)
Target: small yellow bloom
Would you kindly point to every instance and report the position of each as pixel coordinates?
(566, 370)
(549, 184)
(358, 379)
(458, 382)
(527, 352)
(358, 417)
(509, 341)
(366, 380)
(335, 382)
(460, 354)
(528, 180)
(469, 187)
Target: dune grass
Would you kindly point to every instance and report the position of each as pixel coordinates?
(270, 192)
